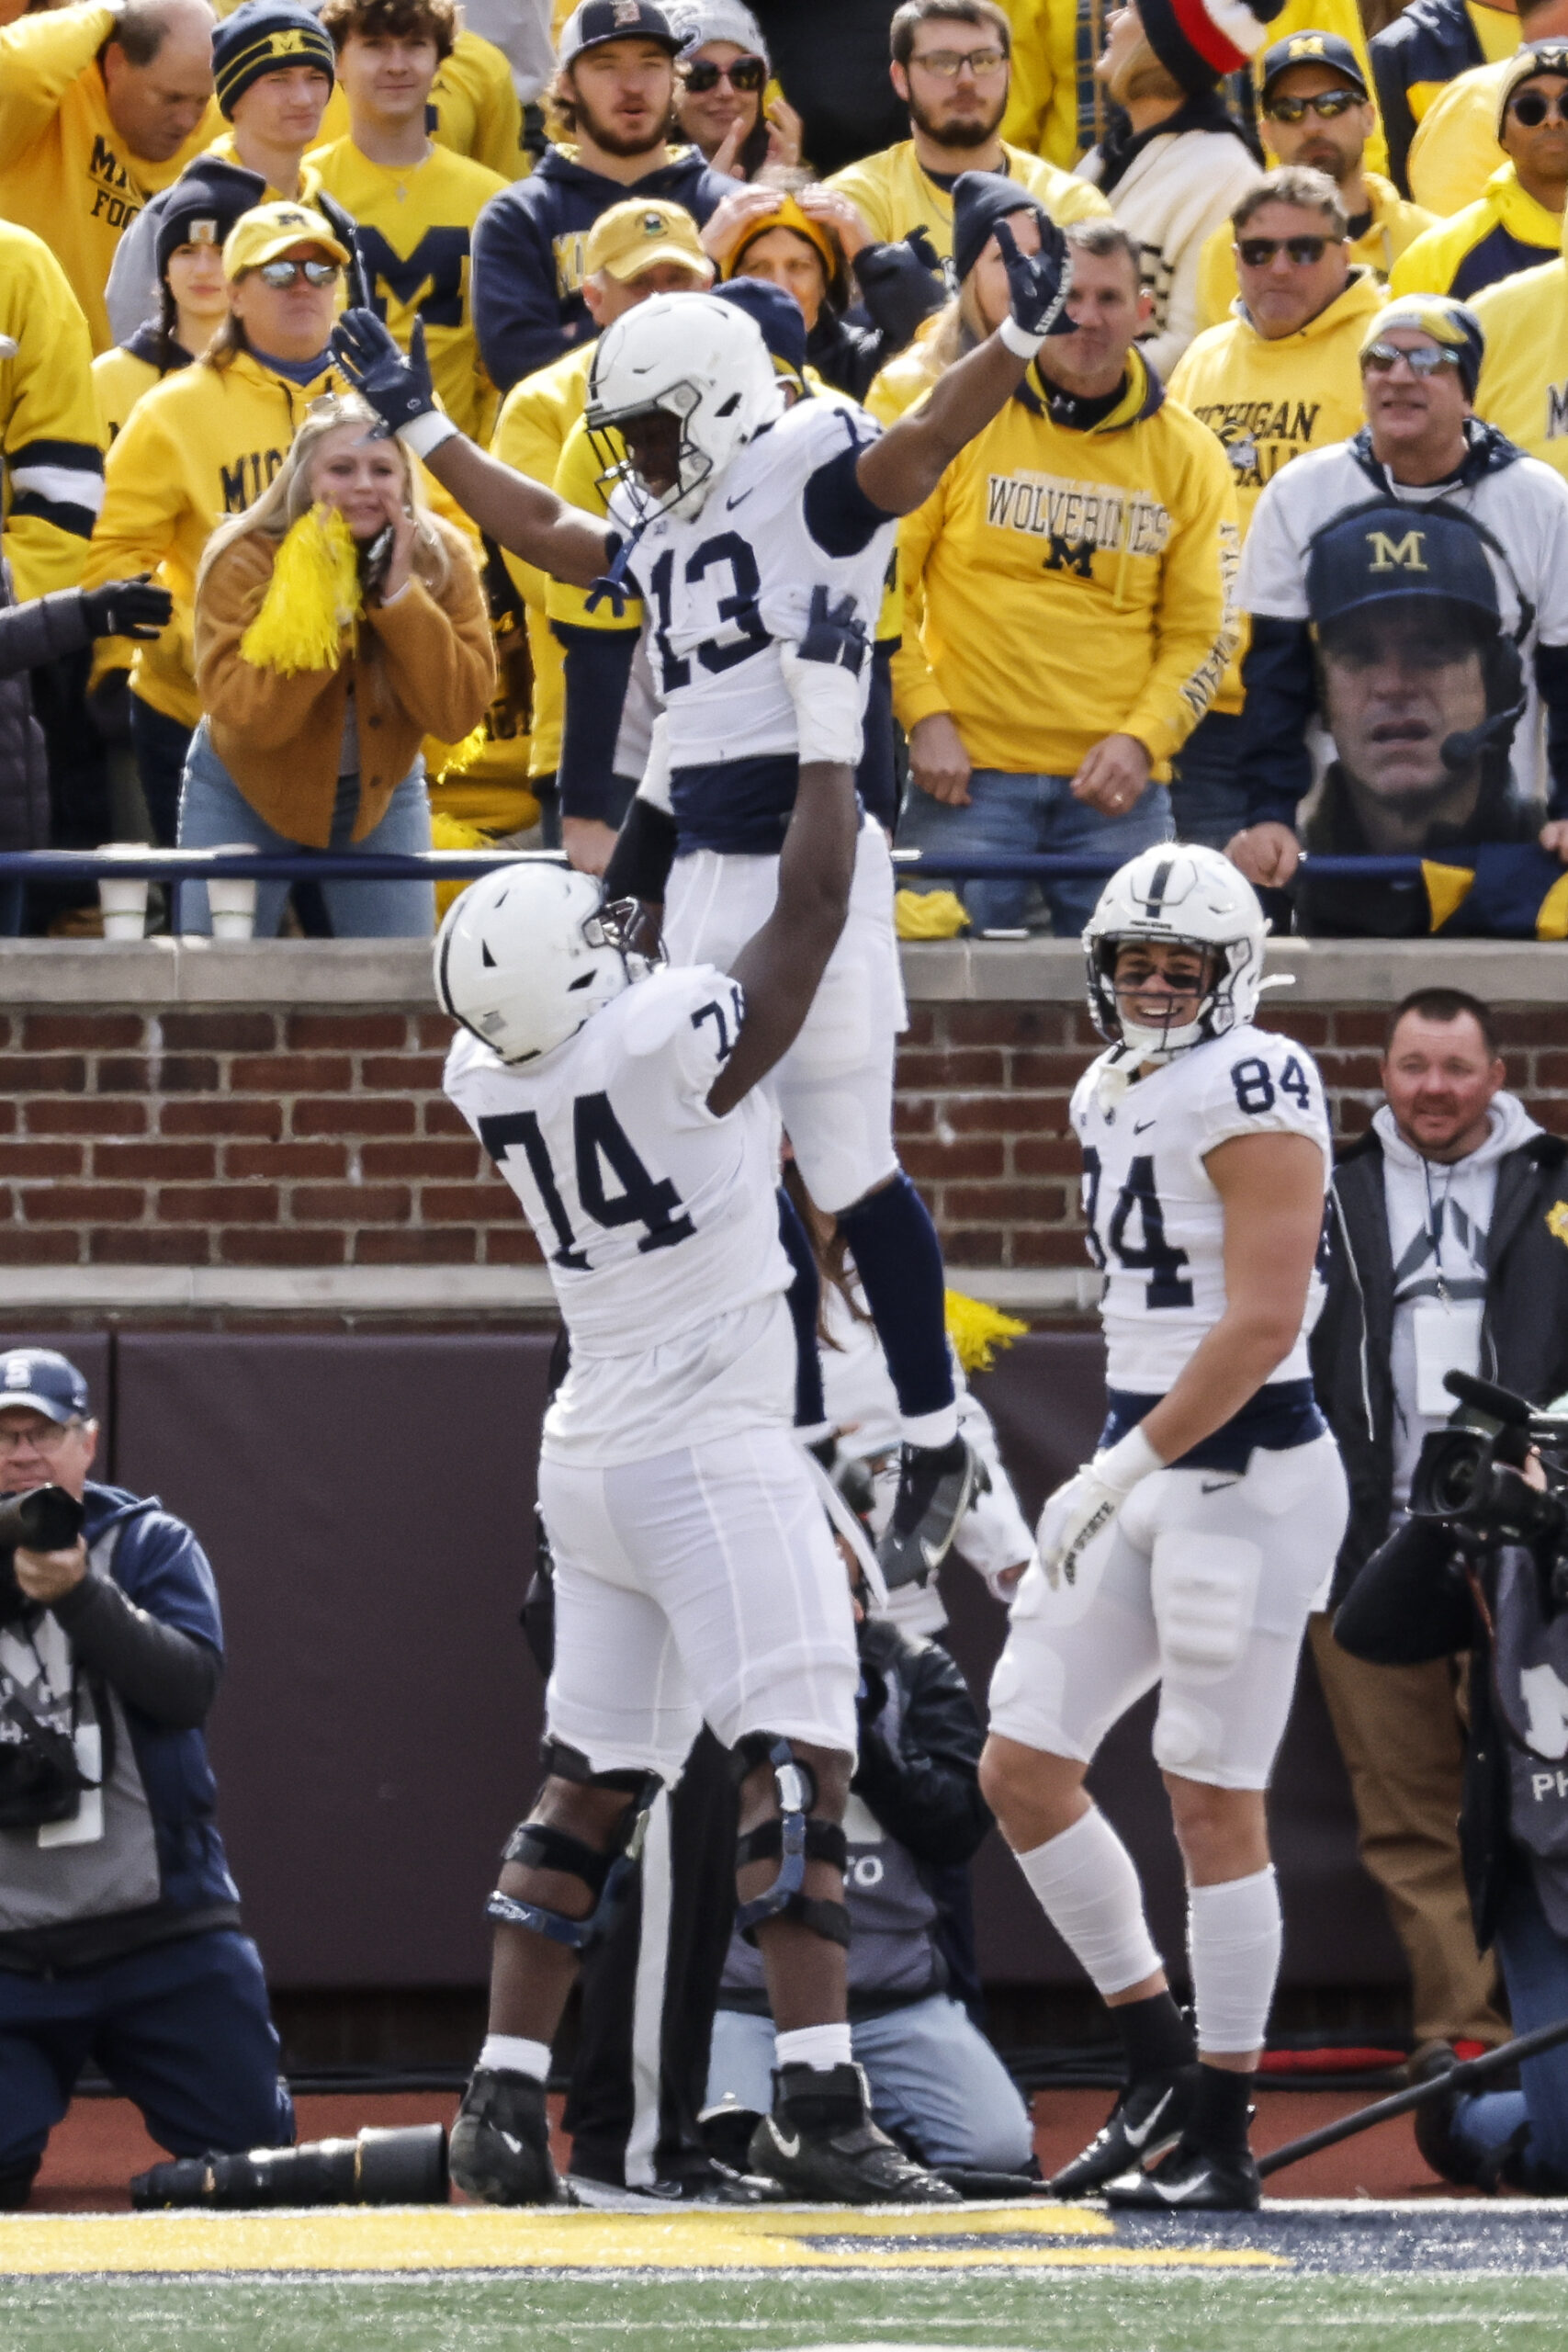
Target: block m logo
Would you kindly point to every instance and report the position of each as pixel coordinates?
(1396, 555)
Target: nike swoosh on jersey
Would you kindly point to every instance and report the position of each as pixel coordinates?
(1135, 2138)
(1140, 1124)
(1218, 1485)
(739, 500)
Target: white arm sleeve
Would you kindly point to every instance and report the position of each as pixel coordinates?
(828, 703)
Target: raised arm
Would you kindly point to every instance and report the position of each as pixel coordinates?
(900, 471)
(519, 514)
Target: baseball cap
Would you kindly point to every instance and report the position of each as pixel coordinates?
(45, 1383)
(1313, 49)
(1536, 57)
(635, 236)
(266, 37)
(1452, 324)
(1380, 553)
(779, 316)
(597, 22)
(269, 229)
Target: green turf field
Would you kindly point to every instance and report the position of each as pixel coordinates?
(1142, 2313)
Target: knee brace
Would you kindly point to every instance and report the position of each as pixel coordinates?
(607, 1874)
(795, 1837)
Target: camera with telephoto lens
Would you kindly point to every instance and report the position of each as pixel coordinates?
(1468, 1478)
(404, 2165)
(39, 1778)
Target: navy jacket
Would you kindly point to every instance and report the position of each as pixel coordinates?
(527, 256)
(1429, 43)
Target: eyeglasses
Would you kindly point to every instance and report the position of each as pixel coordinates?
(279, 274)
(50, 1438)
(1301, 252)
(1532, 108)
(1328, 106)
(748, 74)
(1379, 358)
(947, 65)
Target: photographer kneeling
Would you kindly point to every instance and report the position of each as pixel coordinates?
(120, 1923)
(1482, 1566)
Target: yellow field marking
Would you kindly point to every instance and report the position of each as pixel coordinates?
(481, 2238)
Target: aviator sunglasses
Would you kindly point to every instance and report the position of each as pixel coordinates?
(279, 274)
(1379, 358)
(1328, 106)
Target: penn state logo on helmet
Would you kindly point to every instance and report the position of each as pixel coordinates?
(1188, 896)
(528, 954)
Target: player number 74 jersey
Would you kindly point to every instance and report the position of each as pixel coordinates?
(1155, 1221)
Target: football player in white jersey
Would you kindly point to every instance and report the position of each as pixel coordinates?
(1189, 1552)
(735, 521)
(695, 1577)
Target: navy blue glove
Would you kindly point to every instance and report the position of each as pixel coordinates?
(834, 633)
(1038, 285)
(396, 384)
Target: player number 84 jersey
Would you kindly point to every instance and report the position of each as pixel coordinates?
(1155, 1221)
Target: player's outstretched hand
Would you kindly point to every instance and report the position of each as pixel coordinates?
(396, 384)
(1038, 287)
(835, 633)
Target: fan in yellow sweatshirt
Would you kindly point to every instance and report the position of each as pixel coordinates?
(893, 195)
(536, 418)
(50, 437)
(1524, 376)
(1072, 583)
(66, 172)
(1391, 230)
(1505, 231)
(475, 109)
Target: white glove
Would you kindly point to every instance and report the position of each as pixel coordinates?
(823, 673)
(1088, 1502)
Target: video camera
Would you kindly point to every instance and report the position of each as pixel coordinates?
(1468, 1478)
(39, 1778)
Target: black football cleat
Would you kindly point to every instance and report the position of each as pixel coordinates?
(820, 2144)
(500, 2141)
(702, 2180)
(936, 1485)
(1191, 2179)
(1145, 2124)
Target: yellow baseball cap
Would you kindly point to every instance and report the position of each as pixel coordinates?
(268, 232)
(638, 235)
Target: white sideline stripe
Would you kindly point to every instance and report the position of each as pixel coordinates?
(417, 1289)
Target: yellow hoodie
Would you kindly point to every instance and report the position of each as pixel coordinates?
(203, 444)
(531, 431)
(1524, 376)
(894, 194)
(50, 435)
(1505, 231)
(1455, 149)
(1072, 585)
(65, 172)
(1393, 227)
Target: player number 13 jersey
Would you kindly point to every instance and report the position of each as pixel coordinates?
(1155, 1221)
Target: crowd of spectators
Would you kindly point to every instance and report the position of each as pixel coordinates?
(1076, 655)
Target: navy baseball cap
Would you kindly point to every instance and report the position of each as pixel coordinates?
(598, 21)
(778, 314)
(1381, 553)
(1313, 49)
(45, 1383)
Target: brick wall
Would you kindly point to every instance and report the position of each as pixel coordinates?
(299, 1137)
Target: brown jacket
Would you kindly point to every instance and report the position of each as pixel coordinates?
(423, 667)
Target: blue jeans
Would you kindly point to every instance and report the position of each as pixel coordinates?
(1014, 816)
(1206, 802)
(183, 2029)
(213, 812)
(934, 2076)
(1534, 1959)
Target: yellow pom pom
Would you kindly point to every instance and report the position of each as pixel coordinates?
(976, 1330)
(449, 833)
(928, 914)
(314, 595)
(443, 760)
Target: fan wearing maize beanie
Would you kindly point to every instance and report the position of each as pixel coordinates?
(1175, 165)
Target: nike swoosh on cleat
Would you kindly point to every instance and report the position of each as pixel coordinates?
(785, 2147)
(1136, 2138)
(1188, 2189)
(932, 1553)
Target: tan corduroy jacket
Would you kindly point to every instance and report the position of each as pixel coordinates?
(423, 666)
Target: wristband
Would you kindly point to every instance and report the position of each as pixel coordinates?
(1122, 1465)
(827, 701)
(1019, 340)
(426, 433)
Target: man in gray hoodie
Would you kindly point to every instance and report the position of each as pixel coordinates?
(1447, 1250)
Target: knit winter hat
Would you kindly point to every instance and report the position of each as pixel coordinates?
(699, 21)
(1452, 324)
(266, 37)
(1199, 42)
(201, 208)
(788, 215)
(979, 201)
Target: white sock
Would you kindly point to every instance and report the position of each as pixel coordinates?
(513, 2053)
(1234, 1934)
(821, 2046)
(934, 1430)
(1085, 1883)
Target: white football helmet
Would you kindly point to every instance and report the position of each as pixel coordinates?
(1190, 897)
(697, 359)
(528, 953)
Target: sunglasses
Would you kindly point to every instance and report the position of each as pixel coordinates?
(1259, 252)
(748, 74)
(279, 274)
(1379, 358)
(947, 65)
(1532, 108)
(1328, 106)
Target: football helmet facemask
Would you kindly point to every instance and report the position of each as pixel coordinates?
(1186, 896)
(530, 952)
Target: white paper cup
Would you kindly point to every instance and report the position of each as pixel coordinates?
(233, 904)
(123, 899)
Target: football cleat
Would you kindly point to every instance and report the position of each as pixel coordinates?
(701, 2181)
(936, 1485)
(1191, 2179)
(820, 2144)
(1144, 2125)
(500, 2141)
